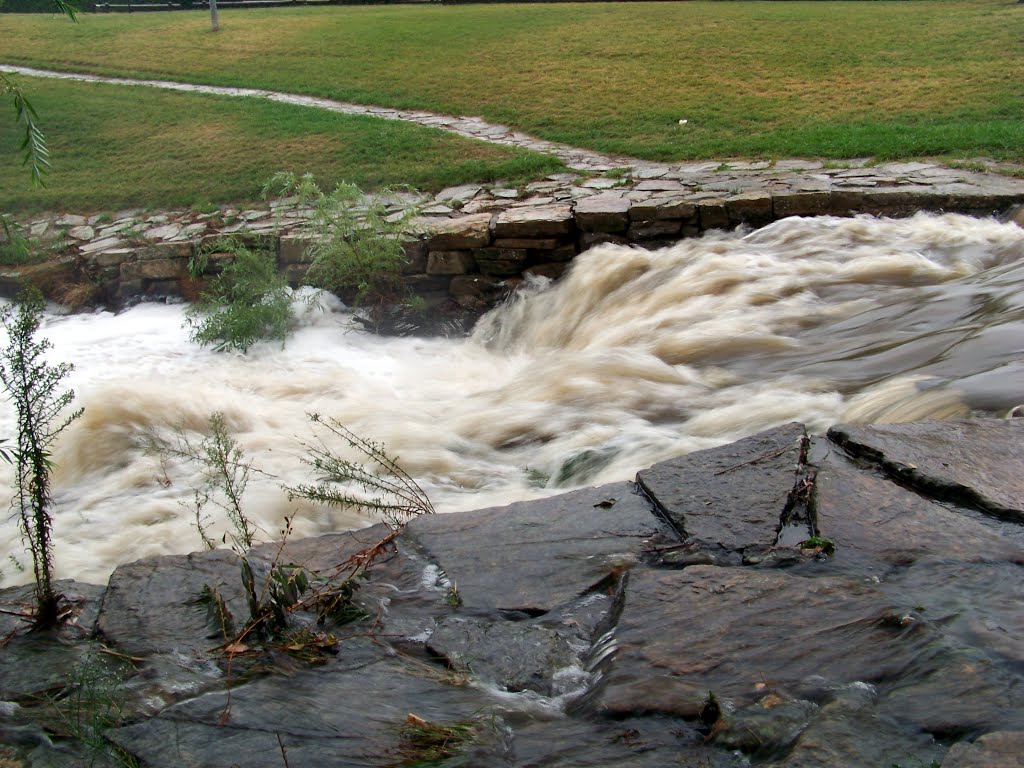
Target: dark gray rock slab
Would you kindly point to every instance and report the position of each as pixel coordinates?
(648, 742)
(31, 662)
(324, 717)
(847, 731)
(734, 630)
(150, 605)
(877, 524)
(1000, 749)
(517, 656)
(979, 461)
(731, 497)
(532, 557)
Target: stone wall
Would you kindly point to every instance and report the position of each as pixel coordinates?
(472, 245)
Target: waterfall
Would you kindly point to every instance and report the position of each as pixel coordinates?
(633, 357)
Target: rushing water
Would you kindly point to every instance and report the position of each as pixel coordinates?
(633, 357)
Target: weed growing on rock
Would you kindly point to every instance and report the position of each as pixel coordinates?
(247, 302)
(92, 702)
(388, 489)
(14, 246)
(423, 743)
(274, 591)
(357, 245)
(34, 386)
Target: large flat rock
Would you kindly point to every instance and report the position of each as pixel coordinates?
(731, 630)
(980, 461)
(532, 557)
(333, 716)
(877, 524)
(543, 221)
(731, 497)
(473, 231)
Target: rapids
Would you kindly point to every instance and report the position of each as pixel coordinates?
(633, 357)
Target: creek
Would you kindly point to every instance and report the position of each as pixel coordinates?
(633, 357)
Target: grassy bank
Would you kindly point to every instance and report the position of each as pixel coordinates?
(116, 147)
(836, 79)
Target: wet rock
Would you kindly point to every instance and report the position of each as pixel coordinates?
(876, 524)
(514, 655)
(730, 497)
(296, 249)
(36, 662)
(501, 262)
(474, 291)
(977, 461)
(1002, 749)
(313, 712)
(652, 230)
(955, 693)
(767, 727)
(649, 742)
(551, 271)
(800, 203)
(663, 207)
(755, 627)
(713, 214)
(154, 269)
(847, 731)
(754, 208)
(151, 605)
(552, 550)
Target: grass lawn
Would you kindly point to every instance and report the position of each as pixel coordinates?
(116, 147)
(754, 79)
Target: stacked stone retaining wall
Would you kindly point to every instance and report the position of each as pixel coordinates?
(472, 245)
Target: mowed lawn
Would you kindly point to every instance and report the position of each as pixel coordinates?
(752, 79)
(115, 147)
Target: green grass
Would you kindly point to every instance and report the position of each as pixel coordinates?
(753, 79)
(114, 147)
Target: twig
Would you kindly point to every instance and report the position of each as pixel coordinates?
(119, 655)
(284, 752)
(755, 460)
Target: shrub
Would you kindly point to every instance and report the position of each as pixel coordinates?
(357, 249)
(247, 302)
(34, 387)
(14, 246)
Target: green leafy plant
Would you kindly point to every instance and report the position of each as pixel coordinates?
(34, 386)
(247, 302)
(33, 142)
(14, 246)
(388, 489)
(284, 587)
(424, 743)
(225, 473)
(357, 246)
(819, 544)
(92, 702)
